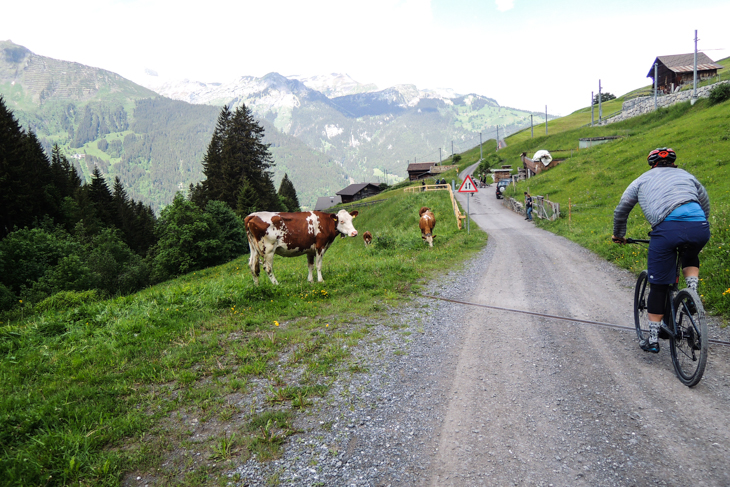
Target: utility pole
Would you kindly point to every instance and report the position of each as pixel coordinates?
(452, 149)
(545, 119)
(694, 88)
(497, 137)
(480, 146)
(439, 155)
(591, 109)
(600, 99)
(532, 128)
(656, 82)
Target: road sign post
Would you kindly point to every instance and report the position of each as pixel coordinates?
(468, 186)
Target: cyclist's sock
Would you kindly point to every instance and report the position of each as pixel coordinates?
(692, 282)
(654, 331)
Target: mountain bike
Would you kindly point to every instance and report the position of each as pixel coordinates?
(684, 324)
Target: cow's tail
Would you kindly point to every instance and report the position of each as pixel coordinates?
(253, 245)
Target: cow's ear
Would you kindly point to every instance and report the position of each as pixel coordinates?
(353, 213)
(334, 216)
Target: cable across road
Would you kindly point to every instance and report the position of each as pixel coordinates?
(555, 317)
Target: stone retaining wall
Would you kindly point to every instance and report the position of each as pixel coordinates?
(645, 104)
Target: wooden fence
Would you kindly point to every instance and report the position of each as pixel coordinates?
(541, 207)
(440, 187)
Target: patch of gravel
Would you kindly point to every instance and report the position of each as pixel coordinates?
(374, 428)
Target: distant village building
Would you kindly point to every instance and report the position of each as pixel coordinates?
(678, 69)
(359, 191)
(324, 202)
(420, 170)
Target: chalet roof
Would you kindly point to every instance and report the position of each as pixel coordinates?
(420, 166)
(324, 202)
(353, 189)
(682, 63)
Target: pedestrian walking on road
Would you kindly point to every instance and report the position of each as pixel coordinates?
(528, 206)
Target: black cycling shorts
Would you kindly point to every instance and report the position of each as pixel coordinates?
(665, 238)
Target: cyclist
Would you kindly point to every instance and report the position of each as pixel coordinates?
(676, 206)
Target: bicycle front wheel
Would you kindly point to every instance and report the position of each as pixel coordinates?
(689, 345)
(641, 315)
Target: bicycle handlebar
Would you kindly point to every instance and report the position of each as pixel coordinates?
(636, 240)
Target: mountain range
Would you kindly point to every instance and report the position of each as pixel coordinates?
(325, 131)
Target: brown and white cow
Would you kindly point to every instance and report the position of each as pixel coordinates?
(294, 234)
(367, 237)
(426, 223)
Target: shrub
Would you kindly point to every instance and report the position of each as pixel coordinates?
(189, 239)
(68, 299)
(720, 93)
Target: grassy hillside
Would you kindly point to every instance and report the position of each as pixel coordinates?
(164, 383)
(592, 180)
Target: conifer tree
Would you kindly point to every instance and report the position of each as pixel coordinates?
(102, 199)
(237, 154)
(288, 194)
(247, 200)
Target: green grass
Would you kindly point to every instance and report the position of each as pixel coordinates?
(95, 390)
(593, 180)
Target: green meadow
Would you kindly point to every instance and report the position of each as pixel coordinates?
(95, 390)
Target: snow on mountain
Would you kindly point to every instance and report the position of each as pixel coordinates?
(335, 84)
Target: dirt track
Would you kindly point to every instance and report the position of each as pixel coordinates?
(537, 401)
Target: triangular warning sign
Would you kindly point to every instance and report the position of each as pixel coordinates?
(468, 186)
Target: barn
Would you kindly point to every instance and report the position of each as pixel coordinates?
(678, 69)
(420, 170)
(359, 191)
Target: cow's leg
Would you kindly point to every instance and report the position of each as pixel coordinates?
(319, 266)
(253, 263)
(269, 266)
(310, 265)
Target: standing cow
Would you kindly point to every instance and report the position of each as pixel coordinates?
(292, 235)
(426, 223)
(367, 237)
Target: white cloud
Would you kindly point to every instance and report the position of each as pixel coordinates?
(504, 5)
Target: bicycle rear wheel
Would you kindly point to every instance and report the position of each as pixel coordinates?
(641, 315)
(689, 346)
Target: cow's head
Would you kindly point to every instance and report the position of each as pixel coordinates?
(428, 237)
(343, 223)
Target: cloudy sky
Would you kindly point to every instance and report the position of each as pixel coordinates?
(523, 53)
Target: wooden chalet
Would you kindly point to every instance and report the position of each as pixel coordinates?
(420, 170)
(359, 191)
(678, 69)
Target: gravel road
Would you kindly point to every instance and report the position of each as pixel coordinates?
(461, 395)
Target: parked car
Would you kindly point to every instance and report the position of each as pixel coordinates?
(502, 187)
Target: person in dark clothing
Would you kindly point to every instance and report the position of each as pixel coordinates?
(528, 206)
(677, 207)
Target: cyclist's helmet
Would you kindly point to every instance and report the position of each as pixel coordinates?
(663, 156)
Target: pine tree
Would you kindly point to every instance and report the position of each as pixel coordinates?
(288, 194)
(212, 187)
(237, 154)
(102, 199)
(26, 181)
(247, 200)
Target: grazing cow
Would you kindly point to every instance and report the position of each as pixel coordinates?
(426, 223)
(294, 234)
(368, 238)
